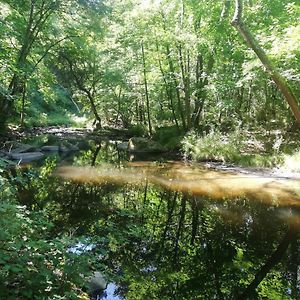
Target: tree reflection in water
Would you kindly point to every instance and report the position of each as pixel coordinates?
(161, 232)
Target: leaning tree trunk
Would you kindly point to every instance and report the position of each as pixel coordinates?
(280, 81)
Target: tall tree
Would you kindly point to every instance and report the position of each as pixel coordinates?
(32, 17)
(280, 81)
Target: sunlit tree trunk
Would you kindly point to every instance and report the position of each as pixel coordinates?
(280, 81)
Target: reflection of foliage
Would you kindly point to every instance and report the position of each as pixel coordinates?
(156, 244)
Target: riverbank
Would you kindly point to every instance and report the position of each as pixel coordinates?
(273, 154)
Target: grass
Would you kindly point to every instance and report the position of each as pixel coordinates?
(291, 162)
(237, 148)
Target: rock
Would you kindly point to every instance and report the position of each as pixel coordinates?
(50, 148)
(66, 147)
(72, 147)
(22, 148)
(97, 283)
(123, 146)
(143, 145)
(27, 157)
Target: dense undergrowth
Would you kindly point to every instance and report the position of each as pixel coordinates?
(32, 258)
(241, 148)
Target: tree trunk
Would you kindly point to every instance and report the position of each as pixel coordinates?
(23, 106)
(173, 76)
(146, 90)
(37, 17)
(254, 45)
(185, 75)
(168, 91)
(93, 106)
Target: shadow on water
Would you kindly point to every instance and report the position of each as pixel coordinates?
(168, 230)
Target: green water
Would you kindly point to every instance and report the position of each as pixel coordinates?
(157, 242)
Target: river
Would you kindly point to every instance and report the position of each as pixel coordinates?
(172, 230)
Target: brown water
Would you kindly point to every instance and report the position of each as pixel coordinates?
(193, 180)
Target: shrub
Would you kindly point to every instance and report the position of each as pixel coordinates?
(213, 146)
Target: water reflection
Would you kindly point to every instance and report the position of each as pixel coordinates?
(195, 181)
(160, 231)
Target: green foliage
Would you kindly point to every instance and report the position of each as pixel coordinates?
(137, 130)
(291, 162)
(213, 146)
(170, 137)
(232, 148)
(35, 265)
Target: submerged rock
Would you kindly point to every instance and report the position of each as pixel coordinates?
(66, 147)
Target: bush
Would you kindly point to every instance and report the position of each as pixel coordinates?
(169, 137)
(233, 148)
(291, 162)
(32, 264)
(213, 146)
(137, 130)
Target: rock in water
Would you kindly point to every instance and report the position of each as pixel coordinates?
(27, 157)
(123, 146)
(97, 283)
(143, 145)
(50, 148)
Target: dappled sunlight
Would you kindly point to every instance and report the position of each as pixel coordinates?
(193, 180)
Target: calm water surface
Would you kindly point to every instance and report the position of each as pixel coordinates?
(169, 230)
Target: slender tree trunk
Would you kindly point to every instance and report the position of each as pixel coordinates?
(185, 75)
(146, 90)
(168, 91)
(82, 88)
(37, 17)
(201, 82)
(173, 76)
(225, 9)
(270, 68)
(23, 105)
(93, 106)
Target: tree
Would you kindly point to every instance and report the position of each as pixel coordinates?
(280, 81)
(31, 18)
